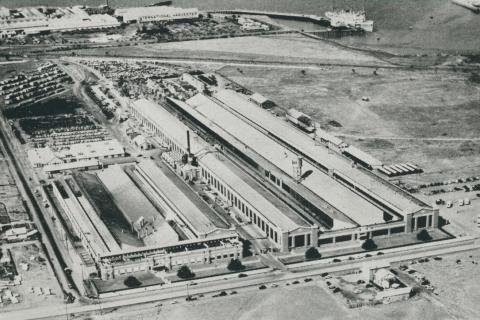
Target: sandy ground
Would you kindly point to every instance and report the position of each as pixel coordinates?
(300, 301)
(280, 48)
(38, 275)
(456, 279)
(412, 116)
(289, 45)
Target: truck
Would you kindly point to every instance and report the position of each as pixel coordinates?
(449, 204)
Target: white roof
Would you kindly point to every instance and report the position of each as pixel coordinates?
(402, 201)
(297, 114)
(198, 214)
(71, 165)
(79, 151)
(167, 122)
(328, 137)
(139, 140)
(130, 200)
(42, 156)
(4, 12)
(176, 130)
(138, 12)
(87, 150)
(258, 98)
(15, 231)
(285, 219)
(340, 197)
(367, 158)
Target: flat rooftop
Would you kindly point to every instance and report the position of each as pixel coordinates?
(216, 116)
(177, 131)
(198, 214)
(130, 200)
(277, 212)
(399, 199)
(95, 232)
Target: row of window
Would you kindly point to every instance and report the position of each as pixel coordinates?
(350, 237)
(241, 206)
(321, 217)
(164, 138)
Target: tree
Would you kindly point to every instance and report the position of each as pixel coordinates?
(185, 273)
(132, 282)
(423, 235)
(235, 265)
(369, 244)
(312, 254)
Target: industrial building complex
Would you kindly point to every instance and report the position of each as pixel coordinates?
(225, 161)
(155, 155)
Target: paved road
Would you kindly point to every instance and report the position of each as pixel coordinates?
(206, 286)
(370, 137)
(21, 175)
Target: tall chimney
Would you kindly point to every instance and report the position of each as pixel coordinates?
(188, 143)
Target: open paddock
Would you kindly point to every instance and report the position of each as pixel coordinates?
(426, 117)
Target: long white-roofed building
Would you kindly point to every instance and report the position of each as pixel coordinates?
(280, 223)
(350, 201)
(160, 13)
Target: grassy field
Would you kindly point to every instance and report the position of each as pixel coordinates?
(425, 117)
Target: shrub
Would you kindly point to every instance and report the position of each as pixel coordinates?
(132, 282)
(424, 236)
(235, 265)
(369, 244)
(185, 273)
(312, 254)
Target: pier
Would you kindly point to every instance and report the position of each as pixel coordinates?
(323, 21)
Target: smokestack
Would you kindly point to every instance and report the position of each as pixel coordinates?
(188, 143)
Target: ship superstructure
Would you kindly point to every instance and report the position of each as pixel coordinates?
(349, 19)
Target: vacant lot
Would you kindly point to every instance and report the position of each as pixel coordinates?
(283, 48)
(455, 279)
(295, 301)
(39, 275)
(290, 46)
(425, 117)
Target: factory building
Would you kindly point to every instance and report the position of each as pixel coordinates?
(179, 202)
(284, 227)
(103, 254)
(32, 20)
(147, 222)
(40, 157)
(220, 248)
(349, 202)
(152, 14)
(261, 101)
